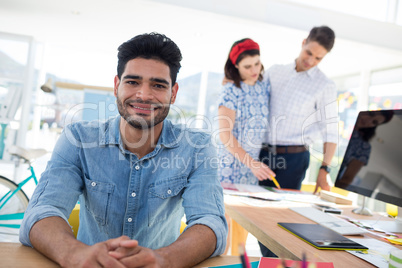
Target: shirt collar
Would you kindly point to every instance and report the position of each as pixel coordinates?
(310, 73)
(110, 133)
(168, 136)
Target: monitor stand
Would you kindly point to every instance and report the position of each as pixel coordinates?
(363, 210)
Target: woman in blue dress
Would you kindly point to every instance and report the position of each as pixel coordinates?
(243, 116)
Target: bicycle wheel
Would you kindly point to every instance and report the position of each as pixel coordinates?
(17, 203)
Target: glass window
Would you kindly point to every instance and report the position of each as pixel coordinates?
(385, 90)
(73, 64)
(386, 76)
(386, 96)
(399, 14)
(214, 88)
(15, 69)
(348, 90)
(13, 58)
(185, 108)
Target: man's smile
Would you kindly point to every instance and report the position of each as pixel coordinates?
(142, 107)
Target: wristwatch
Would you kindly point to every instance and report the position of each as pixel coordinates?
(326, 168)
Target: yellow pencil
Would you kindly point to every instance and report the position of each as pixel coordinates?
(275, 182)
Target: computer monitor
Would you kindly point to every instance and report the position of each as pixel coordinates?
(372, 164)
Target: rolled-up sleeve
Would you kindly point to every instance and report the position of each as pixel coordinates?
(58, 189)
(203, 197)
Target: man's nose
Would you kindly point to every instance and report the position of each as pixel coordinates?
(310, 60)
(144, 92)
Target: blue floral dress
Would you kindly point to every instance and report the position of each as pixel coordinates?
(250, 128)
(359, 149)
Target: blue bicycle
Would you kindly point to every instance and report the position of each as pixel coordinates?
(13, 200)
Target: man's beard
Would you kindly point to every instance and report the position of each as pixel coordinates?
(141, 123)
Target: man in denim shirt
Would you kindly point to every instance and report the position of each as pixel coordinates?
(135, 176)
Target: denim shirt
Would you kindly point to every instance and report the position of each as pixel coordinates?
(120, 194)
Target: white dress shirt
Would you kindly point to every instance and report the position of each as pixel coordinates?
(303, 106)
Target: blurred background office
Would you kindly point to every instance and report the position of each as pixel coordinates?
(71, 47)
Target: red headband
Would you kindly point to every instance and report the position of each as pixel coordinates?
(248, 44)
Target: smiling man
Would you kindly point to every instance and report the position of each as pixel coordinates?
(131, 208)
(303, 110)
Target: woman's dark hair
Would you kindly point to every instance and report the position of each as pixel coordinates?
(368, 133)
(323, 35)
(231, 72)
(150, 46)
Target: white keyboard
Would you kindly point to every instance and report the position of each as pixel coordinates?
(327, 220)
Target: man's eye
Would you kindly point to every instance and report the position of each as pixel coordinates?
(132, 82)
(160, 86)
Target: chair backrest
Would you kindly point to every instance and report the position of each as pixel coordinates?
(74, 219)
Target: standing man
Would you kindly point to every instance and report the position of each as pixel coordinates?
(303, 109)
(135, 176)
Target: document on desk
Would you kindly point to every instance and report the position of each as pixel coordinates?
(301, 197)
(377, 254)
(287, 197)
(253, 191)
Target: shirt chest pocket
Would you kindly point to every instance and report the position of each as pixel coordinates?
(98, 196)
(164, 199)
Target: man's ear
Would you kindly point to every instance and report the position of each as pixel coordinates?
(116, 85)
(304, 42)
(175, 88)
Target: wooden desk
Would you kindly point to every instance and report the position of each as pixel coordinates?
(19, 256)
(262, 223)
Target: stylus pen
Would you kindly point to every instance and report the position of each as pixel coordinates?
(275, 182)
(304, 261)
(243, 257)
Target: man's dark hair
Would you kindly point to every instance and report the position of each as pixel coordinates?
(150, 46)
(323, 35)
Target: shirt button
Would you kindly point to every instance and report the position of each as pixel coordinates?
(129, 219)
(93, 184)
(133, 194)
(137, 167)
(169, 191)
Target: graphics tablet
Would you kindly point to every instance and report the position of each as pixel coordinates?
(321, 237)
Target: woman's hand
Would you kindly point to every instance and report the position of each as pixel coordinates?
(261, 170)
